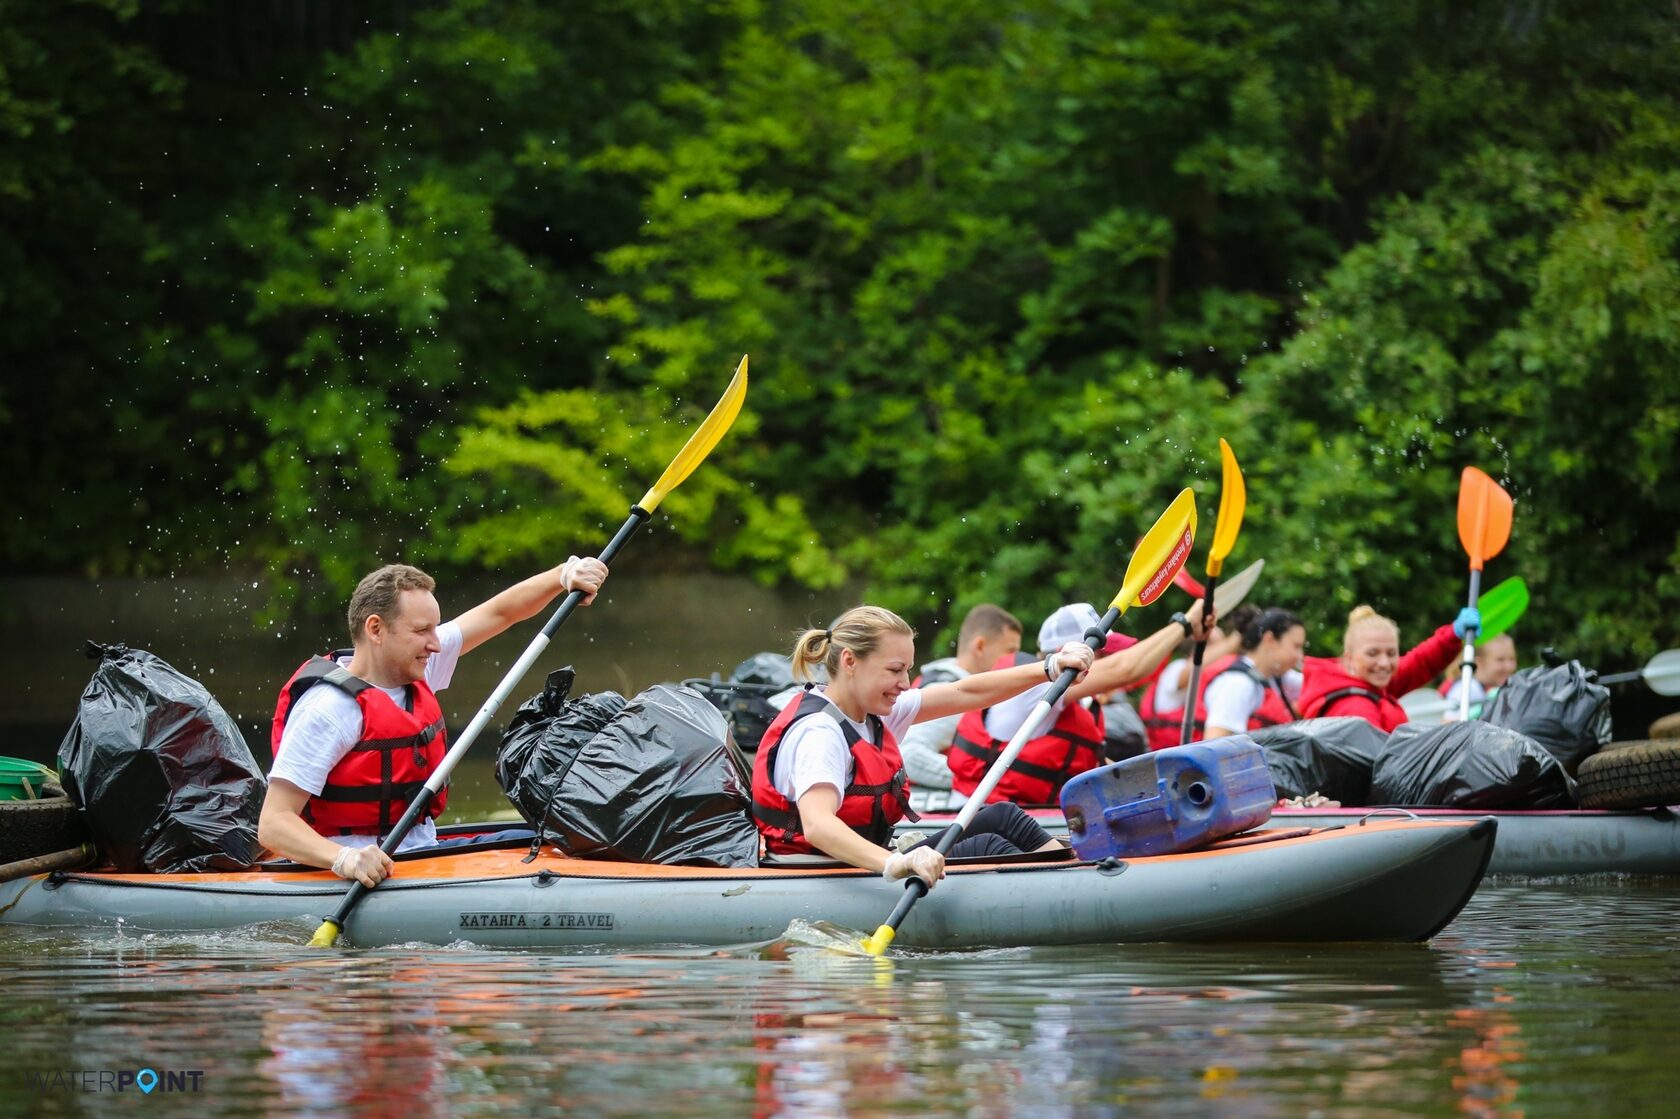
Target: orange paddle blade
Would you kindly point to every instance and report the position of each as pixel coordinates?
(1484, 516)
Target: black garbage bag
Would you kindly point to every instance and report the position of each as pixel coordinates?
(652, 780)
(745, 698)
(1469, 765)
(1124, 735)
(1561, 707)
(769, 669)
(161, 772)
(1332, 757)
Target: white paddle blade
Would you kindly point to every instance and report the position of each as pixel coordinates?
(1662, 672)
(1425, 705)
(1229, 595)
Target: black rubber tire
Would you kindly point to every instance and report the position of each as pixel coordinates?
(39, 827)
(1631, 775)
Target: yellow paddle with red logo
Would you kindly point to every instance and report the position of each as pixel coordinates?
(693, 453)
(1233, 499)
(1158, 557)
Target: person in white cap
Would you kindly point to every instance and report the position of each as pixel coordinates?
(1073, 741)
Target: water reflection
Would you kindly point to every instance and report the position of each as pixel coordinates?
(1513, 1011)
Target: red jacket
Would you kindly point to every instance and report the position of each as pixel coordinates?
(370, 788)
(1166, 729)
(1069, 747)
(877, 798)
(1330, 690)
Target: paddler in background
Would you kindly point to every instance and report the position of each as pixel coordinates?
(1496, 661)
(1073, 742)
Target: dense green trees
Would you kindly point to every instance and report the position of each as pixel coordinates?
(449, 280)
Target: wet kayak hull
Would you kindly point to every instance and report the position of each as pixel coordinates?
(1385, 881)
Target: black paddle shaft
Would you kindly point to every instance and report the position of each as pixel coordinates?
(1187, 725)
(423, 799)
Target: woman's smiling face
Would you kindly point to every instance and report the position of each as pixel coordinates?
(877, 680)
(1373, 653)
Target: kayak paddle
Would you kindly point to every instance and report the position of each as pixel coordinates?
(1661, 673)
(1233, 498)
(1230, 593)
(1502, 607)
(693, 453)
(1159, 555)
(1484, 525)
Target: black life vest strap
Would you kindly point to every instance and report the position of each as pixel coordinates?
(1287, 706)
(423, 737)
(1331, 698)
(1056, 777)
(365, 794)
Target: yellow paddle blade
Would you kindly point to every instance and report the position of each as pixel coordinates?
(1484, 516)
(326, 936)
(1160, 554)
(700, 444)
(1233, 498)
(878, 944)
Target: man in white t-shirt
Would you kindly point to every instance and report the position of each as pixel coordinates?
(401, 657)
(988, 633)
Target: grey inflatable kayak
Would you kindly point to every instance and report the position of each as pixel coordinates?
(1386, 880)
(1536, 843)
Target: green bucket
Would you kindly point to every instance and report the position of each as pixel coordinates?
(21, 780)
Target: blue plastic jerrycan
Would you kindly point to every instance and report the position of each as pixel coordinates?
(1169, 800)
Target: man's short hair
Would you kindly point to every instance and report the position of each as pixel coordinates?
(986, 621)
(379, 591)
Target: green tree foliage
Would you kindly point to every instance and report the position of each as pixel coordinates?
(454, 280)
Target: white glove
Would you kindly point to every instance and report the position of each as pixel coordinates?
(1075, 654)
(924, 862)
(367, 865)
(585, 574)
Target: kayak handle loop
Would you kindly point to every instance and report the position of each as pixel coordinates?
(1405, 812)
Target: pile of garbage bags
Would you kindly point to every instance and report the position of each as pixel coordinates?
(1522, 753)
(653, 779)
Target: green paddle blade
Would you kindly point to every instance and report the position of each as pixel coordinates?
(1501, 607)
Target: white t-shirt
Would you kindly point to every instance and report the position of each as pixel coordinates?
(1169, 692)
(1005, 717)
(1478, 694)
(326, 723)
(1233, 697)
(815, 753)
(925, 745)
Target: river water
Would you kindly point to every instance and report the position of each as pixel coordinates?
(1541, 999)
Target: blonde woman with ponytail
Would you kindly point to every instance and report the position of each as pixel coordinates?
(1370, 676)
(828, 777)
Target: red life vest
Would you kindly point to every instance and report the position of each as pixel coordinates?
(1070, 746)
(877, 798)
(1166, 729)
(1329, 689)
(371, 786)
(1328, 686)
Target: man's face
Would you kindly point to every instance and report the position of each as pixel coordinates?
(404, 642)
